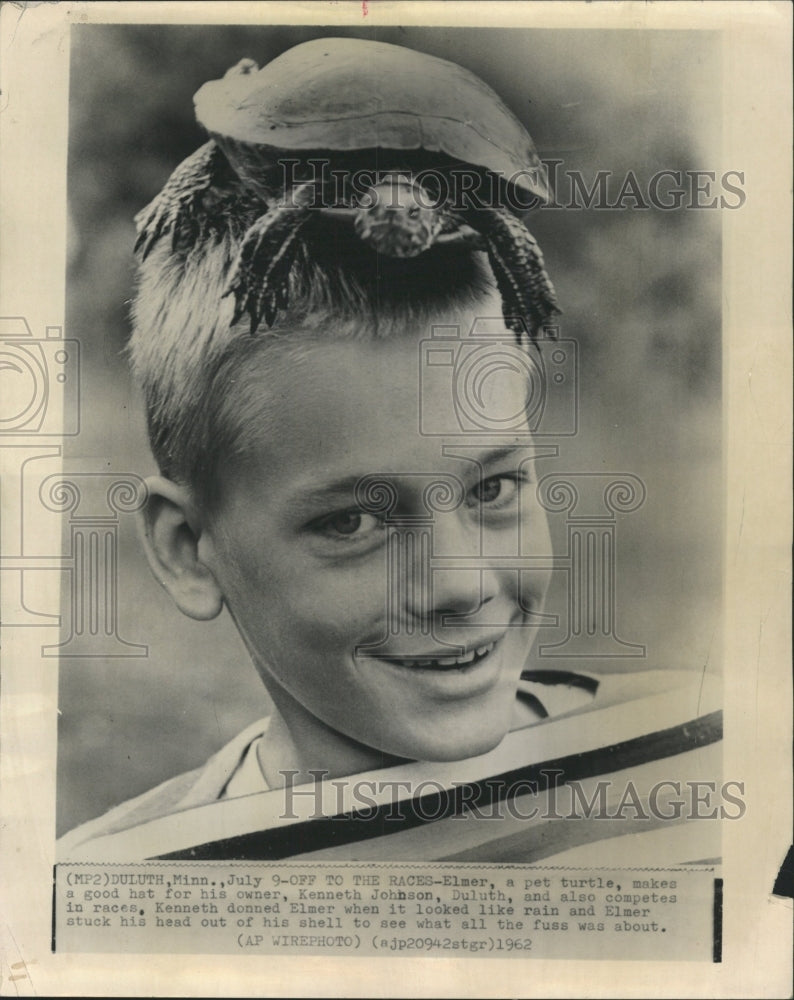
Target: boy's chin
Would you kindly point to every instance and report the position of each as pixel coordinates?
(445, 747)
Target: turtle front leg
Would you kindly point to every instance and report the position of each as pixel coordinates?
(179, 208)
(520, 271)
(261, 272)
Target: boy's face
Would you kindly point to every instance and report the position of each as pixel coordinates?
(313, 578)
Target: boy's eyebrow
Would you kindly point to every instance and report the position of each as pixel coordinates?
(338, 489)
(344, 489)
(499, 454)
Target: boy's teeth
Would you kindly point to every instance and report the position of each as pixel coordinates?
(450, 661)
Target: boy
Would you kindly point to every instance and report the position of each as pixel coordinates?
(386, 571)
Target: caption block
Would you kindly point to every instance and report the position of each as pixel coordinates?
(214, 907)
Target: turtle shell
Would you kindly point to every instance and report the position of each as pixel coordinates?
(341, 95)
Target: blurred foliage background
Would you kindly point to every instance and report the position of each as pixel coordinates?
(641, 291)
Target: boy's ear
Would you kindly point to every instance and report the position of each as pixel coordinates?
(171, 533)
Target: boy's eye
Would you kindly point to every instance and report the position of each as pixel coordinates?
(488, 490)
(496, 491)
(348, 523)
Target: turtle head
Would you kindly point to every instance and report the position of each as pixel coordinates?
(397, 218)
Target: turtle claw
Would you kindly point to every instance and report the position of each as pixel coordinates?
(260, 276)
(179, 208)
(528, 296)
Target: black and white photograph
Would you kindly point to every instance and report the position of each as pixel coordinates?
(378, 516)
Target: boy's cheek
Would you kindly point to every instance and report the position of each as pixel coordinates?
(534, 523)
(326, 602)
(316, 616)
(272, 573)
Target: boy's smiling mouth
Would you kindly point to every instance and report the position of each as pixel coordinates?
(470, 658)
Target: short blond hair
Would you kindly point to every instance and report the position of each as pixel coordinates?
(186, 354)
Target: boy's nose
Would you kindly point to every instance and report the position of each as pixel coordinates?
(459, 591)
(452, 589)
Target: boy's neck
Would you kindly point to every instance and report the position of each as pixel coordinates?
(297, 742)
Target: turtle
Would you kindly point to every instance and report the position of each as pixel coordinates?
(295, 142)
